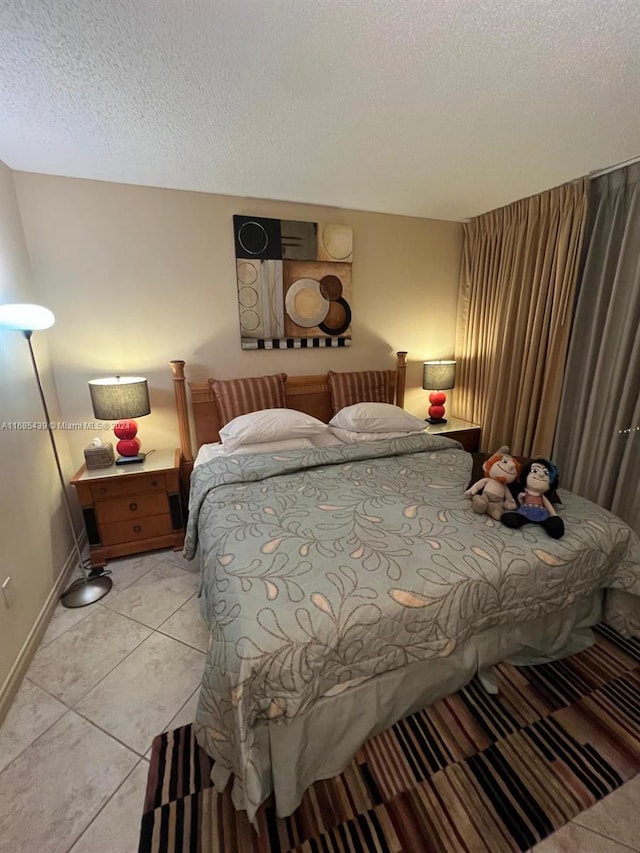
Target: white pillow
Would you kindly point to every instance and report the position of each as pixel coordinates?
(376, 417)
(269, 425)
(329, 438)
(348, 436)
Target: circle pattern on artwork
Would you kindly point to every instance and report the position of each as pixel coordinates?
(305, 304)
(247, 273)
(337, 241)
(253, 238)
(249, 321)
(338, 318)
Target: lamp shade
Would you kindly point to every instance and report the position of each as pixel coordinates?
(25, 317)
(438, 375)
(119, 397)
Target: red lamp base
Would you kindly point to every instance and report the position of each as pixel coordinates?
(128, 445)
(436, 409)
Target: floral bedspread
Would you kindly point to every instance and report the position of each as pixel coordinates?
(321, 567)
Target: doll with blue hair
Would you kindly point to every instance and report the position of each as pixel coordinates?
(537, 478)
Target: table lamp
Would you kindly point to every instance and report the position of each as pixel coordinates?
(438, 377)
(121, 399)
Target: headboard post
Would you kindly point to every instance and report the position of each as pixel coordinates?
(177, 369)
(401, 371)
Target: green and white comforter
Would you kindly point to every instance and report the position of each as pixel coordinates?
(322, 567)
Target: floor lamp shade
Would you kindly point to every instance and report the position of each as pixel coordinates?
(25, 317)
(122, 398)
(438, 377)
(28, 318)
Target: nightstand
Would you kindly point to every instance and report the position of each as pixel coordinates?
(466, 433)
(128, 509)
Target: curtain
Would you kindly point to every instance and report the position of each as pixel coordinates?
(597, 445)
(517, 285)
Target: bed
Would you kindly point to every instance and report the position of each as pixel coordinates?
(348, 585)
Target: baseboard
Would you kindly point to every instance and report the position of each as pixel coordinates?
(28, 650)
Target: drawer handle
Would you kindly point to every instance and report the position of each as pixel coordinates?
(137, 528)
(103, 490)
(133, 506)
(154, 482)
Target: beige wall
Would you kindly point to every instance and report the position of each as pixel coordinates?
(34, 534)
(138, 276)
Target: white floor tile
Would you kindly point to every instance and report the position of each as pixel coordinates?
(55, 788)
(62, 619)
(127, 570)
(31, 714)
(176, 559)
(73, 663)
(186, 715)
(617, 816)
(186, 625)
(117, 828)
(155, 596)
(142, 695)
(573, 838)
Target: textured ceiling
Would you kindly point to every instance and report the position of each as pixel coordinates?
(438, 108)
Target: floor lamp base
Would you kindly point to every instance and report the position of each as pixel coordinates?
(82, 592)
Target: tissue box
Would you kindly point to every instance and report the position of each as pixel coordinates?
(101, 456)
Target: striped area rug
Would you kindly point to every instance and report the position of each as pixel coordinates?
(472, 772)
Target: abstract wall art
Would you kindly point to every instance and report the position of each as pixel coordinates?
(294, 283)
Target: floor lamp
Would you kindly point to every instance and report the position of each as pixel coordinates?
(28, 319)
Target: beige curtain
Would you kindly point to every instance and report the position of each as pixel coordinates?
(518, 277)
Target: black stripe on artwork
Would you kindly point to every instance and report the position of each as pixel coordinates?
(289, 343)
(316, 342)
(260, 343)
(342, 342)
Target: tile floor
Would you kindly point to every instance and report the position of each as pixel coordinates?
(106, 679)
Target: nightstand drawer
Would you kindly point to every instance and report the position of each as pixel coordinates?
(135, 506)
(116, 488)
(134, 530)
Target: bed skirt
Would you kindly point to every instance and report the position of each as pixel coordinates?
(320, 743)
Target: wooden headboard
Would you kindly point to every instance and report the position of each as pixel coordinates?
(308, 394)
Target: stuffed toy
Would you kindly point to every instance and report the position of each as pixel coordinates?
(491, 494)
(537, 478)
